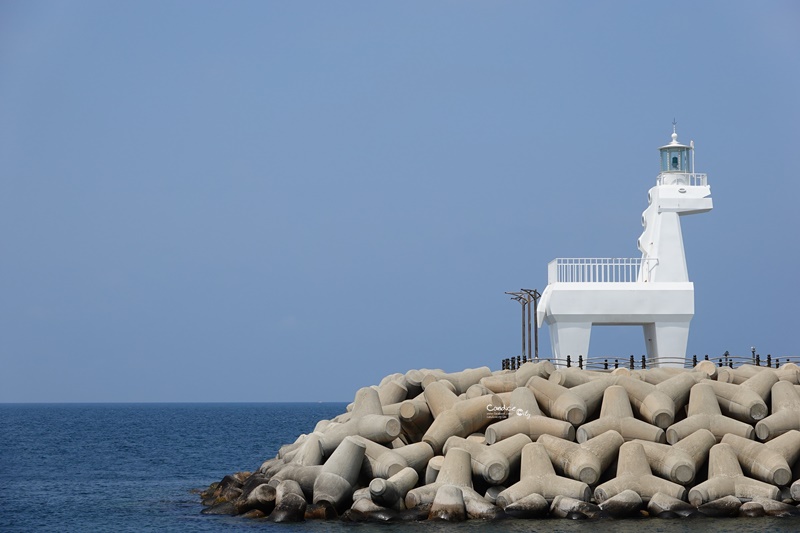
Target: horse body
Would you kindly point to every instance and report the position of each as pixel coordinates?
(654, 291)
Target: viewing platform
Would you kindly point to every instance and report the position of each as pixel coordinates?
(597, 270)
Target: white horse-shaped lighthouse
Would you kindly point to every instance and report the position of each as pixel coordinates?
(654, 291)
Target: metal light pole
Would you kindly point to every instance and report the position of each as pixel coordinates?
(522, 299)
(533, 295)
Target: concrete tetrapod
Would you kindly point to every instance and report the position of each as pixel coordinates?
(335, 483)
(766, 507)
(392, 492)
(448, 504)
(305, 476)
(309, 453)
(626, 503)
(678, 387)
(462, 419)
(379, 461)
(584, 462)
(745, 402)
(654, 406)
(525, 417)
(290, 503)
(531, 506)
(538, 476)
(557, 401)
(518, 378)
(769, 462)
(366, 419)
(439, 398)
(744, 372)
(616, 414)
(572, 377)
(785, 412)
(704, 412)
(392, 391)
(433, 468)
(566, 507)
(382, 462)
(414, 379)
(493, 463)
(725, 478)
(461, 380)
(664, 506)
(633, 472)
(415, 418)
(456, 470)
(416, 455)
(592, 393)
(680, 462)
(654, 376)
(477, 390)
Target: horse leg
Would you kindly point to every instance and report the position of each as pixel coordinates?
(570, 338)
(666, 343)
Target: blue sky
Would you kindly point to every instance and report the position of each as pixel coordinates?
(285, 201)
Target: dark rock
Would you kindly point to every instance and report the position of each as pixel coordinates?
(209, 492)
(229, 489)
(222, 508)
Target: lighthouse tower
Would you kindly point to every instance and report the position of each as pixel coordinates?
(653, 291)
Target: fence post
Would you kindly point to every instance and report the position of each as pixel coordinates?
(616, 363)
(769, 360)
(519, 362)
(605, 365)
(758, 359)
(694, 360)
(569, 361)
(644, 363)
(580, 362)
(633, 365)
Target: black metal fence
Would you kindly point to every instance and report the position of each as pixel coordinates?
(632, 362)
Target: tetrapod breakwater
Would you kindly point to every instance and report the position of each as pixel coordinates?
(537, 442)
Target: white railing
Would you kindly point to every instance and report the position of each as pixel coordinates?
(681, 178)
(595, 270)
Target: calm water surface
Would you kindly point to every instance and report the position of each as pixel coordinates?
(131, 467)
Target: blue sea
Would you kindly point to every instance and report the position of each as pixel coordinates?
(132, 467)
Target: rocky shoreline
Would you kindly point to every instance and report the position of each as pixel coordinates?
(539, 442)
